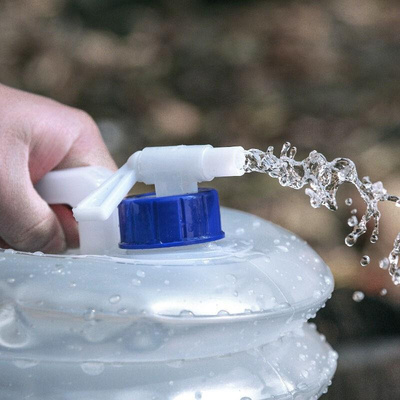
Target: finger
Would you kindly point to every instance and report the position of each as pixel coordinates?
(26, 221)
(88, 149)
(68, 223)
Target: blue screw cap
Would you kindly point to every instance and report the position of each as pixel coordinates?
(149, 222)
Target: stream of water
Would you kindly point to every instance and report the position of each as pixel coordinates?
(322, 179)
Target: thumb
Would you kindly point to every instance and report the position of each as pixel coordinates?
(26, 220)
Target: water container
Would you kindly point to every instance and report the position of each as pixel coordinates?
(215, 310)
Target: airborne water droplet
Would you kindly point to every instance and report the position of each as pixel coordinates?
(358, 296)
(352, 221)
(350, 240)
(384, 263)
(374, 238)
(383, 292)
(349, 202)
(365, 260)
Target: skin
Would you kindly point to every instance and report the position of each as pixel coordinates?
(38, 135)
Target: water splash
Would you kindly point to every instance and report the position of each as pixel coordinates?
(323, 179)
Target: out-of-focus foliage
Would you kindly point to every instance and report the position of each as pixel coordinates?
(324, 75)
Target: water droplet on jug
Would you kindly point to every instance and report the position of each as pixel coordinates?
(358, 296)
(24, 364)
(136, 282)
(89, 315)
(140, 273)
(317, 294)
(283, 248)
(327, 280)
(166, 282)
(38, 253)
(348, 201)
(231, 278)
(353, 211)
(92, 368)
(383, 292)
(114, 299)
(198, 395)
(302, 386)
(365, 260)
(186, 314)
(222, 313)
(305, 373)
(398, 203)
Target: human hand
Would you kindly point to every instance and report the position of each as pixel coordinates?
(38, 135)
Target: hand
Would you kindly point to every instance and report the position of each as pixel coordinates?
(37, 135)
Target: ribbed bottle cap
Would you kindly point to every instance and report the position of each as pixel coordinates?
(147, 221)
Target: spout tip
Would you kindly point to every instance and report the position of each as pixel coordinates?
(224, 161)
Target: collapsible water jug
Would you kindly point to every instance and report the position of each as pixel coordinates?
(169, 296)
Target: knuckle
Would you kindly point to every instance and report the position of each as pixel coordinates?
(86, 123)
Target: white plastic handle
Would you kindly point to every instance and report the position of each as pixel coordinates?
(70, 186)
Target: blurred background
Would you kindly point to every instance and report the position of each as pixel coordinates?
(322, 74)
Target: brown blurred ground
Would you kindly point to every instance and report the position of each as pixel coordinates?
(324, 75)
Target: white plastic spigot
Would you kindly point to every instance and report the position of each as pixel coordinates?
(173, 170)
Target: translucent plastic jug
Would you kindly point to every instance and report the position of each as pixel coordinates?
(217, 319)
